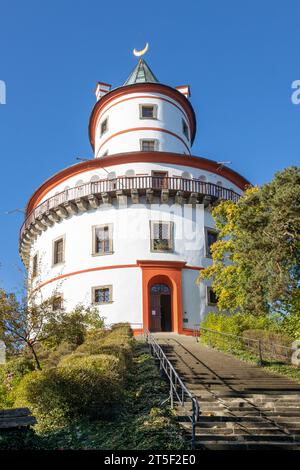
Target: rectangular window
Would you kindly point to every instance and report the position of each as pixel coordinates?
(102, 239)
(57, 303)
(212, 298)
(185, 129)
(102, 295)
(104, 127)
(161, 236)
(35, 265)
(211, 236)
(148, 145)
(58, 251)
(148, 111)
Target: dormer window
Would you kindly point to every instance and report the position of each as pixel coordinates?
(148, 111)
(185, 129)
(149, 145)
(103, 127)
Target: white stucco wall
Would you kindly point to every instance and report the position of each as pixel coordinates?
(123, 114)
(131, 242)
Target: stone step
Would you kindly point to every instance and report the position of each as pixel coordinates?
(213, 445)
(247, 437)
(242, 406)
(238, 431)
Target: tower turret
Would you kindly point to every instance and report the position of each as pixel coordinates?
(142, 115)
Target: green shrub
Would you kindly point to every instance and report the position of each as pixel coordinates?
(117, 341)
(122, 328)
(51, 357)
(291, 325)
(11, 374)
(72, 327)
(85, 387)
(71, 359)
(233, 325)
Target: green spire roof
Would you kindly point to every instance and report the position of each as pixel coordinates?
(141, 74)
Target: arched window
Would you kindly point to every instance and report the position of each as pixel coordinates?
(129, 173)
(186, 175)
(94, 178)
(112, 175)
(202, 178)
(130, 182)
(79, 191)
(55, 200)
(160, 289)
(67, 193)
(112, 180)
(219, 191)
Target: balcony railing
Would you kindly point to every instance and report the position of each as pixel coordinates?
(126, 185)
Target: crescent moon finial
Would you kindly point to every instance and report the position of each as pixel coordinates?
(142, 52)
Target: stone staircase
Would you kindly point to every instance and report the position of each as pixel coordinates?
(241, 405)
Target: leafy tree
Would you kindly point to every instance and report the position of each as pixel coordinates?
(22, 323)
(71, 327)
(28, 324)
(256, 261)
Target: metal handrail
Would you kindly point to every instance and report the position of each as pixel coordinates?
(259, 348)
(127, 184)
(178, 389)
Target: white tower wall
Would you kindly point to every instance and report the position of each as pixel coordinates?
(126, 128)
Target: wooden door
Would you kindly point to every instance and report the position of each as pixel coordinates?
(155, 312)
(160, 179)
(160, 308)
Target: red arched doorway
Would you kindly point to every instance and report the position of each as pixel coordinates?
(160, 307)
(169, 274)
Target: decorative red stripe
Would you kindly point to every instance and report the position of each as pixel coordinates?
(135, 129)
(98, 268)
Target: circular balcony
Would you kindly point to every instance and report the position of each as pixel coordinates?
(91, 195)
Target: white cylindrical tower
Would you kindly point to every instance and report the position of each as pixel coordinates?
(129, 230)
(142, 115)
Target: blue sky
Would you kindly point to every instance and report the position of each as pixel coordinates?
(239, 58)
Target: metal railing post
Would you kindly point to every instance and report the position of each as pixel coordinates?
(195, 418)
(177, 389)
(171, 390)
(260, 353)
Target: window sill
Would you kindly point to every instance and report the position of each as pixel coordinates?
(162, 251)
(103, 303)
(103, 254)
(151, 118)
(58, 264)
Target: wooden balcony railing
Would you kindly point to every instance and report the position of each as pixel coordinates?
(127, 184)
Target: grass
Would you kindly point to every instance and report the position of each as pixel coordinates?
(142, 422)
(291, 371)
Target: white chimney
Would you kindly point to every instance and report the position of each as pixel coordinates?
(101, 89)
